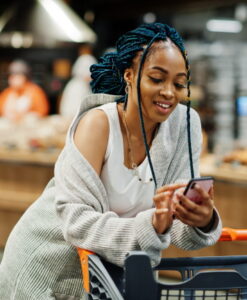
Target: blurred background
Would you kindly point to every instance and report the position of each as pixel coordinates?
(48, 34)
(53, 43)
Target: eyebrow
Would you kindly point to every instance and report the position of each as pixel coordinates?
(166, 72)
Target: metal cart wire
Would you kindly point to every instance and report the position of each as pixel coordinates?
(215, 277)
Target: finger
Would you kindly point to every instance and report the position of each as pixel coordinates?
(184, 220)
(206, 198)
(187, 203)
(162, 200)
(201, 191)
(170, 187)
(193, 219)
(185, 215)
(182, 211)
(160, 211)
(211, 192)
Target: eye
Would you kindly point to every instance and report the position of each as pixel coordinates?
(155, 80)
(180, 86)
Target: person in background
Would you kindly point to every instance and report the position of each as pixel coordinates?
(118, 184)
(79, 85)
(22, 97)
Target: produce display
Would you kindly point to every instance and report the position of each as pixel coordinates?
(236, 156)
(34, 133)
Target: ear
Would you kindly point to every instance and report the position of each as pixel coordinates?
(128, 75)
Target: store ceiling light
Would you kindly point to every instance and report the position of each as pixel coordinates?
(231, 26)
(42, 23)
(5, 17)
(149, 17)
(67, 21)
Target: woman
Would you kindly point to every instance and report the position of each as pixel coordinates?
(111, 194)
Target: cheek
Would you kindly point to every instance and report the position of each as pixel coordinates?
(148, 89)
(181, 96)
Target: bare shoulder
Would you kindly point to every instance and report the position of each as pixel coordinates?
(95, 120)
(91, 137)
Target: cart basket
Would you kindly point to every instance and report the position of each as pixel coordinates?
(213, 277)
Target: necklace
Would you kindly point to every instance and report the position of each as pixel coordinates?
(133, 165)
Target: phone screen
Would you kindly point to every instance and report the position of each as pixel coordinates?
(204, 182)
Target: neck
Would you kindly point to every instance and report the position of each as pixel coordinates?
(133, 121)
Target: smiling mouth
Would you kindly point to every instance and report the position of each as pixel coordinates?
(163, 105)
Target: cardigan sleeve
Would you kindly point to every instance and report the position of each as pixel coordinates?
(81, 204)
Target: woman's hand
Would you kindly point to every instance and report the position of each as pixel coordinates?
(163, 215)
(195, 214)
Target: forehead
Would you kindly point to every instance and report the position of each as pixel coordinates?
(165, 54)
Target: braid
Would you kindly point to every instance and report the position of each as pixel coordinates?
(188, 113)
(187, 65)
(106, 76)
(189, 140)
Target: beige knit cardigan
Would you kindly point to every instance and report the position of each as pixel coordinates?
(40, 260)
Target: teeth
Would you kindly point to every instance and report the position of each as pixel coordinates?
(163, 105)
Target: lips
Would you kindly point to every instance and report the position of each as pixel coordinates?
(163, 108)
(163, 105)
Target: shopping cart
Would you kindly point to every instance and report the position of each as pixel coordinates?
(216, 277)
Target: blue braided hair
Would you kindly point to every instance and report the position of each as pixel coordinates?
(108, 74)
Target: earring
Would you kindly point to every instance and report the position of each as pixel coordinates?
(127, 88)
(126, 95)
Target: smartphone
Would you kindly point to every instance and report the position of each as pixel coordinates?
(204, 182)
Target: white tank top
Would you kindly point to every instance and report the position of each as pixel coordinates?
(127, 195)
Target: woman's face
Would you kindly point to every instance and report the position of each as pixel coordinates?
(163, 81)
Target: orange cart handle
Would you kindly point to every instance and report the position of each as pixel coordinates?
(230, 234)
(83, 255)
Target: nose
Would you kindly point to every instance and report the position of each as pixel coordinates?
(167, 91)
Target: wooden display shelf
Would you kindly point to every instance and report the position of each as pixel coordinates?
(23, 176)
(225, 171)
(30, 157)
